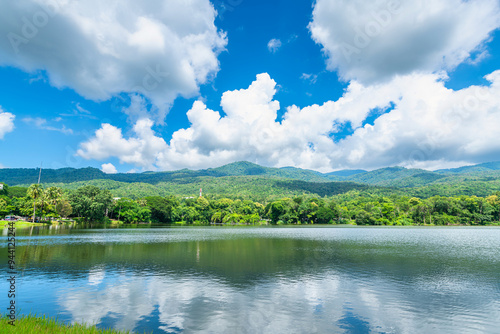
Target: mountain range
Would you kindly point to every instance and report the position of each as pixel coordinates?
(389, 176)
(469, 178)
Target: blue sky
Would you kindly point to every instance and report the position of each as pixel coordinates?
(163, 85)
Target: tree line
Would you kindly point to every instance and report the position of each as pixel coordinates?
(92, 204)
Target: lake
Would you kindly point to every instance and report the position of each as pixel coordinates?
(262, 280)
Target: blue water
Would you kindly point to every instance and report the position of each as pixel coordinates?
(263, 280)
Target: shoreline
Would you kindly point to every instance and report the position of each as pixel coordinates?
(44, 324)
(24, 224)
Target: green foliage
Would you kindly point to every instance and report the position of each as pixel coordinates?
(320, 188)
(5, 189)
(29, 324)
(130, 211)
(162, 208)
(4, 207)
(18, 192)
(91, 203)
(245, 193)
(369, 206)
(17, 176)
(35, 191)
(64, 208)
(263, 184)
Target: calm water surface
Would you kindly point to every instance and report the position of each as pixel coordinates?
(262, 280)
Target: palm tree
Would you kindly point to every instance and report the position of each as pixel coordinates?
(53, 195)
(142, 202)
(35, 191)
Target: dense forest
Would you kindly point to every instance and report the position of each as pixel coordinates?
(245, 193)
(370, 206)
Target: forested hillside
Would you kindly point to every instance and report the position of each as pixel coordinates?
(485, 167)
(17, 176)
(248, 180)
(245, 193)
(345, 205)
(249, 187)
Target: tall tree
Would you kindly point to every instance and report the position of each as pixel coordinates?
(53, 195)
(35, 191)
(162, 208)
(91, 203)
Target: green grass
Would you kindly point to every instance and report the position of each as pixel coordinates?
(42, 324)
(20, 223)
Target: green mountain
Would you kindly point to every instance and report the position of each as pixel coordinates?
(250, 180)
(484, 167)
(347, 172)
(397, 177)
(17, 176)
(390, 176)
(258, 188)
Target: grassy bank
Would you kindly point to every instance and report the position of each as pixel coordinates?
(23, 223)
(20, 223)
(41, 324)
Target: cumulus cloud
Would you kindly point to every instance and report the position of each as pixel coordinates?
(137, 109)
(142, 150)
(41, 123)
(430, 127)
(6, 122)
(109, 168)
(161, 49)
(273, 45)
(373, 41)
(423, 124)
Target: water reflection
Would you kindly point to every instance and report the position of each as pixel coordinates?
(331, 302)
(267, 280)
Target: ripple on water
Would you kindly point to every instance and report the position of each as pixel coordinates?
(390, 280)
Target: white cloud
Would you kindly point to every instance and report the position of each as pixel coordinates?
(430, 126)
(142, 150)
(424, 125)
(6, 122)
(79, 112)
(373, 41)
(311, 78)
(41, 123)
(161, 49)
(37, 121)
(109, 168)
(273, 45)
(137, 109)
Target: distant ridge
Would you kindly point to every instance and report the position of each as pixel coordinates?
(391, 176)
(487, 166)
(18, 176)
(15, 176)
(347, 172)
